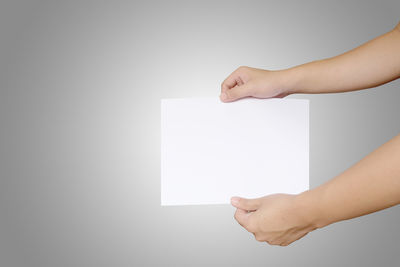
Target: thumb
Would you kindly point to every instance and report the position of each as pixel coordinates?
(236, 93)
(246, 204)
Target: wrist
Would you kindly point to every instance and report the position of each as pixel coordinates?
(310, 204)
(290, 79)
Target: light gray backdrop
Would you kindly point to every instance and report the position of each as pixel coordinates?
(81, 83)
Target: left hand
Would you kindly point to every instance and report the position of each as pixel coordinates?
(278, 219)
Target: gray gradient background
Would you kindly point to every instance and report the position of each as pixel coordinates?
(81, 84)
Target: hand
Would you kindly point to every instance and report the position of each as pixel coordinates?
(278, 219)
(259, 83)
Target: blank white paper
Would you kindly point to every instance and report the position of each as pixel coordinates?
(211, 151)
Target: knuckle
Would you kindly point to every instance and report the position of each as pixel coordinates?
(259, 238)
(270, 242)
(223, 83)
(243, 68)
(273, 242)
(251, 228)
(236, 216)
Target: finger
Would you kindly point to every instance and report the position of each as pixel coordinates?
(259, 237)
(242, 217)
(230, 82)
(246, 204)
(236, 93)
(282, 95)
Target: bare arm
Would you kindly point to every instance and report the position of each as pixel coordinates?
(371, 64)
(370, 185)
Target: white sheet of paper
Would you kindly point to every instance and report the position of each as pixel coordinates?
(211, 151)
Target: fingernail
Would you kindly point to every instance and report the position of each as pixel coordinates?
(235, 200)
(224, 96)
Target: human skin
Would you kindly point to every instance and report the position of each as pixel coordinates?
(370, 185)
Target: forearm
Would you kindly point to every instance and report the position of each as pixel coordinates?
(370, 185)
(371, 64)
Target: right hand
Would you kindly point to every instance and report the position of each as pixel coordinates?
(251, 82)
